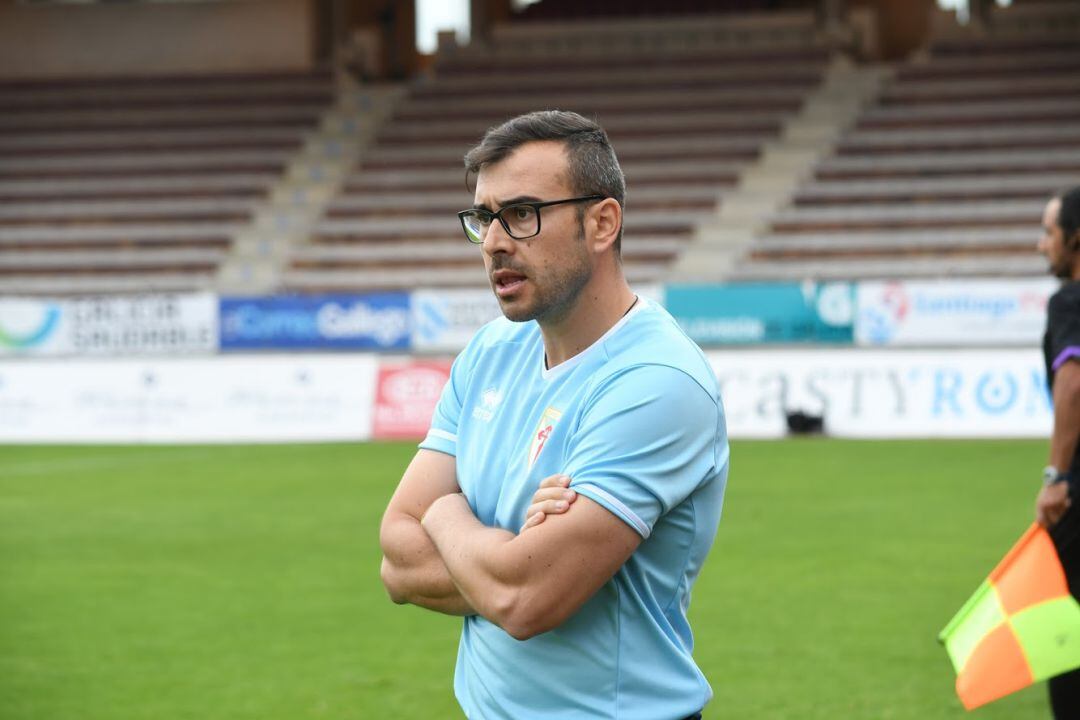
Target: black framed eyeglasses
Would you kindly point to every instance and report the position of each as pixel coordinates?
(520, 220)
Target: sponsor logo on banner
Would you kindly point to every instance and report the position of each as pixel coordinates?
(954, 312)
(143, 325)
(31, 326)
(372, 322)
(763, 312)
(445, 320)
(886, 394)
(110, 325)
(405, 398)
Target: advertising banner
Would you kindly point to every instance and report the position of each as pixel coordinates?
(143, 325)
(952, 312)
(164, 324)
(650, 291)
(316, 322)
(445, 320)
(405, 398)
(751, 313)
(256, 398)
(214, 399)
(32, 326)
(886, 394)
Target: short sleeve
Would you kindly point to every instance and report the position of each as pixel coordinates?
(442, 435)
(646, 440)
(1063, 324)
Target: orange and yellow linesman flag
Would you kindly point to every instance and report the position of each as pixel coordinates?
(1020, 626)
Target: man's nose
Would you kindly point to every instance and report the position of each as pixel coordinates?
(496, 239)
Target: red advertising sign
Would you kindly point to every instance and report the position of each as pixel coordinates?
(405, 398)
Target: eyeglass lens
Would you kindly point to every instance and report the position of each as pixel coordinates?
(519, 220)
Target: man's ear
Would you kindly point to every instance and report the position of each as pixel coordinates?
(606, 220)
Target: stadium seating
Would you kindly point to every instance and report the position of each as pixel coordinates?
(946, 174)
(140, 184)
(146, 184)
(688, 103)
(575, 9)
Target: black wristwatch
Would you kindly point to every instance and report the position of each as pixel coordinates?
(1051, 476)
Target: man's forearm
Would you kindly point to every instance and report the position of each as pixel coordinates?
(532, 582)
(414, 573)
(469, 551)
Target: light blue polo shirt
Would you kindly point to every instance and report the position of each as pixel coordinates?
(636, 422)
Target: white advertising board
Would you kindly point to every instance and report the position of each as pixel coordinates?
(952, 312)
(886, 394)
(861, 394)
(164, 324)
(218, 399)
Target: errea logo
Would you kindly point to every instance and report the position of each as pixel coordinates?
(489, 402)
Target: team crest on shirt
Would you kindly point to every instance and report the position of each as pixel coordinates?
(543, 431)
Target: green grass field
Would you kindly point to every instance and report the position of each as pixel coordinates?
(242, 582)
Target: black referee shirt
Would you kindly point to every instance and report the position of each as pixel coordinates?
(1062, 340)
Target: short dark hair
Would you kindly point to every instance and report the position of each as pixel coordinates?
(1069, 217)
(591, 161)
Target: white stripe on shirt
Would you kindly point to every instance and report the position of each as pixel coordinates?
(636, 521)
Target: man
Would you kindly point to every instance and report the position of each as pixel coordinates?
(1060, 242)
(585, 411)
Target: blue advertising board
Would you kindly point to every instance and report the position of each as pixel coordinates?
(751, 313)
(316, 322)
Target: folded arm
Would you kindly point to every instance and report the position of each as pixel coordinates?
(533, 582)
(412, 570)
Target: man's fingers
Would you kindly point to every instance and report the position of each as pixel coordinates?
(551, 506)
(1045, 514)
(1049, 514)
(544, 497)
(552, 494)
(555, 481)
(532, 521)
(553, 497)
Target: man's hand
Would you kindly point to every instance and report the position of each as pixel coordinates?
(553, 497)
(1051, 504)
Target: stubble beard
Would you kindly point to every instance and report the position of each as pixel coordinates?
(555, 293)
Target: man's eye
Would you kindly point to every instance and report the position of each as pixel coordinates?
(522, 212)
